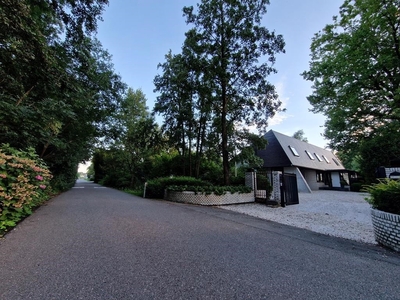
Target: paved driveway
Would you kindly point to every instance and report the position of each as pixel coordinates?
(99, 243)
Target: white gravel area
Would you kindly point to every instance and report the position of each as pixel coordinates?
(341, 214)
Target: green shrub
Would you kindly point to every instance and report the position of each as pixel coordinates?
(217, 190)
(356, 186)
(385, 195)
(24, 184)
(155, 187)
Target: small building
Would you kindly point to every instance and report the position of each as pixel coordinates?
(315, 168)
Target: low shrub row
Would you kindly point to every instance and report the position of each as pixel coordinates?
(385, 195)
(217, 190)
(155, 187)
(24, 185)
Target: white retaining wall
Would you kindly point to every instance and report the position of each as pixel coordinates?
(203, 199)
(386, 228)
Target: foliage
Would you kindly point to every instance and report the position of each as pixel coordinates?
(264, 184)
(185, 103)
(385, 195)
(378, 151)
(219, 80)
(247, 144)
(110, 168)
(59, 88)
(358, 88)
(24, 184)
(140, 137)
(299, 134)
(155, 187)
(356, 186)
(217, 190)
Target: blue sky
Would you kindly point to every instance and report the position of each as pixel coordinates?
(138, 34)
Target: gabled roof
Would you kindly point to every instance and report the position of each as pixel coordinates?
(286, 151)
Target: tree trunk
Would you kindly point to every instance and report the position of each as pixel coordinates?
(225, 154)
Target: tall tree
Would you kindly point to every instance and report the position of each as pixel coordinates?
(355, 70)
(185, 102)
(229, 39)
(140, 137)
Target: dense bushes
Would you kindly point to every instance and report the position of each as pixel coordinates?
(24, 184)
(155, 187)
(385, 195)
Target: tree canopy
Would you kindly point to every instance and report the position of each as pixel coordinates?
(228, 57)
(58, 86)
(355, 70)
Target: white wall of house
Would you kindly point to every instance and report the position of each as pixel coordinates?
(335, 179)
(302, 184)
(311, 178)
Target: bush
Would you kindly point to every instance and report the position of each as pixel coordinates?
(385, 195)
(217, 190)
(155, 187)
(356, 186)
(24, 184)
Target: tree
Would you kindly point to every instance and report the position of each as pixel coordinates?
(229, 43)
(58, 86)
(185, 102)
(299, 135)
(355, 70)
(140, 137)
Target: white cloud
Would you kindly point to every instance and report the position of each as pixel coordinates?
(281, 116)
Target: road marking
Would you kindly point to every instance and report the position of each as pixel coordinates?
(100, 187)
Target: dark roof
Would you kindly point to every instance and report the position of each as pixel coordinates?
(286, 151)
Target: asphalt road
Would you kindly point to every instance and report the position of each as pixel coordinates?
(99, 243)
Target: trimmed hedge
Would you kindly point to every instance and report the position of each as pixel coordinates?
(155, 187)
(385, 195)
(217, 190)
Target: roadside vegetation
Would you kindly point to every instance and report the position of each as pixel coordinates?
(24, 185)
(385, 195)
(62, 103)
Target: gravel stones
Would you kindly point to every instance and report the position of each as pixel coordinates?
(341, 214)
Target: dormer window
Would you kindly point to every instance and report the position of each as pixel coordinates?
(294, 151)
(326, 159)
(336, 162)
(318, 157)
(310, 155)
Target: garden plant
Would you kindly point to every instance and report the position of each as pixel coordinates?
(24, 185)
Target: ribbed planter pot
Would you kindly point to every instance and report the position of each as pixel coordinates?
(211, 199)
(386, 228)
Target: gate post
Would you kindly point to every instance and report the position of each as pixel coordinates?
(249, 180)
(276, 186)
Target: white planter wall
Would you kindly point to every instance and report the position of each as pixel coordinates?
(203, 199)
(386, 228)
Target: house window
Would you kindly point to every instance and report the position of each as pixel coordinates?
(320, 176)
(336, 162)
(318, 157)
(310, 155)
(294, 151)
(326, 159)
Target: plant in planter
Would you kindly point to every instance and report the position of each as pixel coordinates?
(385, 201)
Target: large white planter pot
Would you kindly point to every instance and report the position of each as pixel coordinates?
(386, 228)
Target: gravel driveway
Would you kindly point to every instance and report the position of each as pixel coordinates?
(340, 214)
